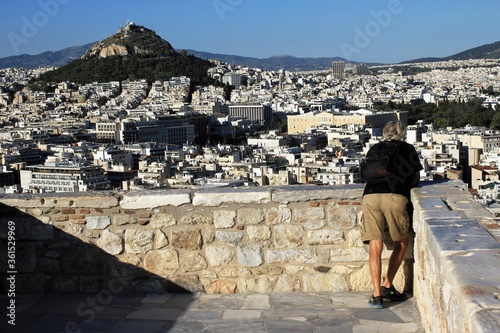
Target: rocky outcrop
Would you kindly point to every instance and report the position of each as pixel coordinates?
(131, 39)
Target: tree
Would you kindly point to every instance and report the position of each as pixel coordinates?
(495, 121)
(102, 100)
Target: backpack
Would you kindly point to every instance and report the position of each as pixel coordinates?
(379, 166)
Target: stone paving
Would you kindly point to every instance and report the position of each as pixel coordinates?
(192, 313)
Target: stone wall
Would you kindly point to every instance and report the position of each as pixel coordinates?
(457, 260)
(225, 240)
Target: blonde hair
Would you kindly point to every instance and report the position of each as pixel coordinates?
(394, 130)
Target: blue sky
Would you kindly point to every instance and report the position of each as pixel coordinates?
(385, 31)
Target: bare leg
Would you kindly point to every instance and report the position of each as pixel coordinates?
(375, 264)
(395, 261)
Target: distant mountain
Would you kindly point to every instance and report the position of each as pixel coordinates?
(286, 62)
(488, 51)
(45, 59)
(134, 52)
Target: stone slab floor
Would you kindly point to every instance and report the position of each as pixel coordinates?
(187, 313)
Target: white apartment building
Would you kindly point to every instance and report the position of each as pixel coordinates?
(63, 176)
(233, 79)
(262, 113)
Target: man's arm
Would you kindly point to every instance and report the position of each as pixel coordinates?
(416, 179)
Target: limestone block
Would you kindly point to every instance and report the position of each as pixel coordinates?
(189, 283)
(342, 217)
(196, 219)
(295, 269)
(189, 239)
(342, 270)
(208, 235)
(86, 200)
(161, 240)
(231, 237)
(192, 261)
(360, 279)
(73, 230)
(97, 222)
(45, 219)
(464, 202)
(325, 237)
(110, 242)
(268, 270)
(207, 274)
(250, 255)
(287, 284)
(138, 241)
(475, 278)
(321, 282)
(224, 219)
(312, 214)
(218, 196)
(234, 272)
(164, 263)
(354, 238)
(221, 287)
(303, 256)
(154, 199)
(279, 215)
(35, 212)
(162, 220)
(122, 219)
(288, 235)
(254, 286)
(288, 194)
(258, 233)
(126, 265)
(318, 224)
(219, 255)
(348, 254)
(250, 216)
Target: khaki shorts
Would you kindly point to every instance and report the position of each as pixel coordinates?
(381, 209)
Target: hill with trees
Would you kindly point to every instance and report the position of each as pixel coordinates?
(134, 52)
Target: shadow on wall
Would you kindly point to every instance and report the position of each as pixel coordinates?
(38, 258)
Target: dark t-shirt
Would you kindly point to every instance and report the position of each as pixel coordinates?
(407, 163)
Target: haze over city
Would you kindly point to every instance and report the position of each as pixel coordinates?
(388, 31)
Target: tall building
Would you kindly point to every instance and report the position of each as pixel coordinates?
(303, 122)
(167, 129)
(338, 68)
(233, 79)
(262, 113)
(360, 69)
(63, 176)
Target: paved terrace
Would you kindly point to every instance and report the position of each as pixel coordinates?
(242, 260)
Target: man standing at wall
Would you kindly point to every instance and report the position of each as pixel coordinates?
(386, 201)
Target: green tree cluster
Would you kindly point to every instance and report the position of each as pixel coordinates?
(132, 67)
(450, 114)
